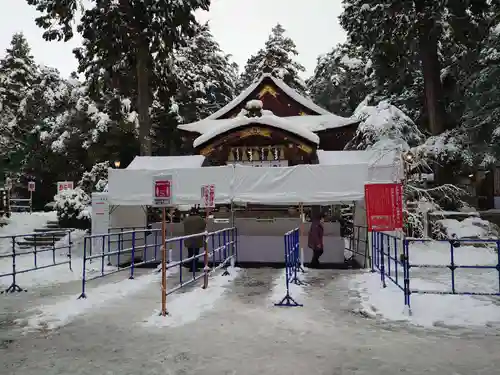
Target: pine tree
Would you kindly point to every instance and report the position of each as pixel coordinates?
(401, 34)
(17, 76)
(126, 39)
(277, 57)
(482, 104)
(204, 80)
(341, 80)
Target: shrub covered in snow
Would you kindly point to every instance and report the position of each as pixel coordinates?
(470, 227)
(96, 179)
(72, 209)
(384, 126)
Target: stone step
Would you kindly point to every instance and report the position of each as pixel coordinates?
(43, 230)
(41, 239)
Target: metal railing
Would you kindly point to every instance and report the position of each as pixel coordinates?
(31, 255)
(21, 204)
(292, 266)
(392, 259)
(356, 243)
(453, 266)
(115, 244)
(129, 249)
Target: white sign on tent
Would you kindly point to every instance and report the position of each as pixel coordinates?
(100, 219)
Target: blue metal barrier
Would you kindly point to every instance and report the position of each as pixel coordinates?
(33, 249)
(292, 266)
(389, 258)
(143, 246)
(119, 243)
(452, 266)
(221, 251)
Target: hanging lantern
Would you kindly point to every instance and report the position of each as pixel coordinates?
(282, 154)
(255, 155)
(269, 154)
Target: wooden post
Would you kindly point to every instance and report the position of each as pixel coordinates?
(205, 248)
(164, 311)
(31, 201)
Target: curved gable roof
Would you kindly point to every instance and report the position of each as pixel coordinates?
(308, 103)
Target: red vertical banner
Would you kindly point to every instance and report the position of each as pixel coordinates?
(384, 206)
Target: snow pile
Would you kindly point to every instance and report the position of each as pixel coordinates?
(427, 310)
(471, 227)
(433, 309)
(279, 289)
(188, 307)
(68, 309)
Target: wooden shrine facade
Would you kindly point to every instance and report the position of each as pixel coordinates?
(268, 124)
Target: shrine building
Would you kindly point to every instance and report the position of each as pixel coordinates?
(268, 124)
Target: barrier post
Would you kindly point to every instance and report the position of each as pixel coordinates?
(102, 252)
(382, 260)
(226, 253)
(301, 235)
(83, 270)
(296, 256)
(206, 268)
(372, 260)
(452, 267)
(70, 245)
(14, 287)
(133, 257)
(406, 273)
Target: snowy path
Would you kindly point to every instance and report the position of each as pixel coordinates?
(245, 334)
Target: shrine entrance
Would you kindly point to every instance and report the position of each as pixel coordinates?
(267, 156)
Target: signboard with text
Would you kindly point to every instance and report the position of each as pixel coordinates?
(31, 186)
(384, 206)
(208, 196)
(64, 185)
(162, 191)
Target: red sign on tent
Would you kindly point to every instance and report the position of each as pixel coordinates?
(384, 206)
(162, 191)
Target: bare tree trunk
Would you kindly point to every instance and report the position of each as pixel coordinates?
(428, 45)
(144, 101)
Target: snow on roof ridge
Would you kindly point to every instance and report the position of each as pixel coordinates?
(272, 121)
(166, 162)
(308, 103)
(312, 123)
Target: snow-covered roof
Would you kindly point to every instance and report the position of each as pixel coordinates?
(311, 123)
(269, 120)
(308, 103)
(160, 163)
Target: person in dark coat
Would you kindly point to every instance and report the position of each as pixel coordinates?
(315, 239)
(194, 224)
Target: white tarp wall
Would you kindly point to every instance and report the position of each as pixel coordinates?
(309, 184)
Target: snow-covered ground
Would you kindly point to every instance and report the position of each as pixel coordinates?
(433, 309)
(239, 331)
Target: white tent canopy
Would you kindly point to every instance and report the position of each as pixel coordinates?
(335, 181)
